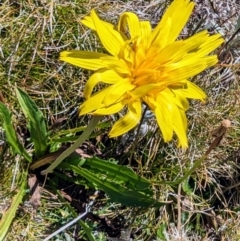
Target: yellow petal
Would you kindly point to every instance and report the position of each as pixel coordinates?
(195, 47)
(127, 53)
(118, 65)
(146, 76)
(176, 107)
(140, 55)
(146, 29)
(201, 44)
(141, 91)
(131, 21)
(192, 91)
(117, 92)
(176, 15)
(164, 118)
(159, 39)
(83, 59)
(88, 22)
(172, 52)
(180, 127)
(109, 110)
(94, 102)
(129, 121)
(104, 76)
(111, 39)
(171, 119)
(175, 96)
(203, 51)
(188, 68)
(211, 44)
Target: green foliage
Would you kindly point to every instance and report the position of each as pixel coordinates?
(8, 216)
(161, 231)
(11, 136)
(36, 124)
(38, 134)
(186, 187)
(120, 174)
(87, 231)
(119, 182)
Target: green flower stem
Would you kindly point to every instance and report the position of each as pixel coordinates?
(87, 132)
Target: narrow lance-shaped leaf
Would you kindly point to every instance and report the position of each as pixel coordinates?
(87, 231)
(120, 174)
(11, 136)
(36, 124)
(117, 172)
(116, 192)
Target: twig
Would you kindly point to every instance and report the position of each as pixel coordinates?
(72, 222)
(219, 133)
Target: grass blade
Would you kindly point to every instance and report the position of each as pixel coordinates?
(87, 230)
(36, 123)
(8, 216)
(11, 136)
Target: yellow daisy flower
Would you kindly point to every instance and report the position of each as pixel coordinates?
(145, 65)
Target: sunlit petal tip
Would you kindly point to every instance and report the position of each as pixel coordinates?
(130, 20)
(129, 121)
(83, 59)
(111, 39)
(63, 55)
(183, 144)
(172, 19)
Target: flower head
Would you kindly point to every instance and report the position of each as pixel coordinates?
(145, 65)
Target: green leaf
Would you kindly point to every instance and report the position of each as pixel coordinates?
(111, 170)
(9, 215)
(87, 231)
(117, 193)
(11, 136)
(36, 124)
(117, 172)
(161, 231)
(187, 188)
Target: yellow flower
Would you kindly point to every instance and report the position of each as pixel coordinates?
(145, 65)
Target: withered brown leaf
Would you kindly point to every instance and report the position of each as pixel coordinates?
(35, 199)
(218, 133)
